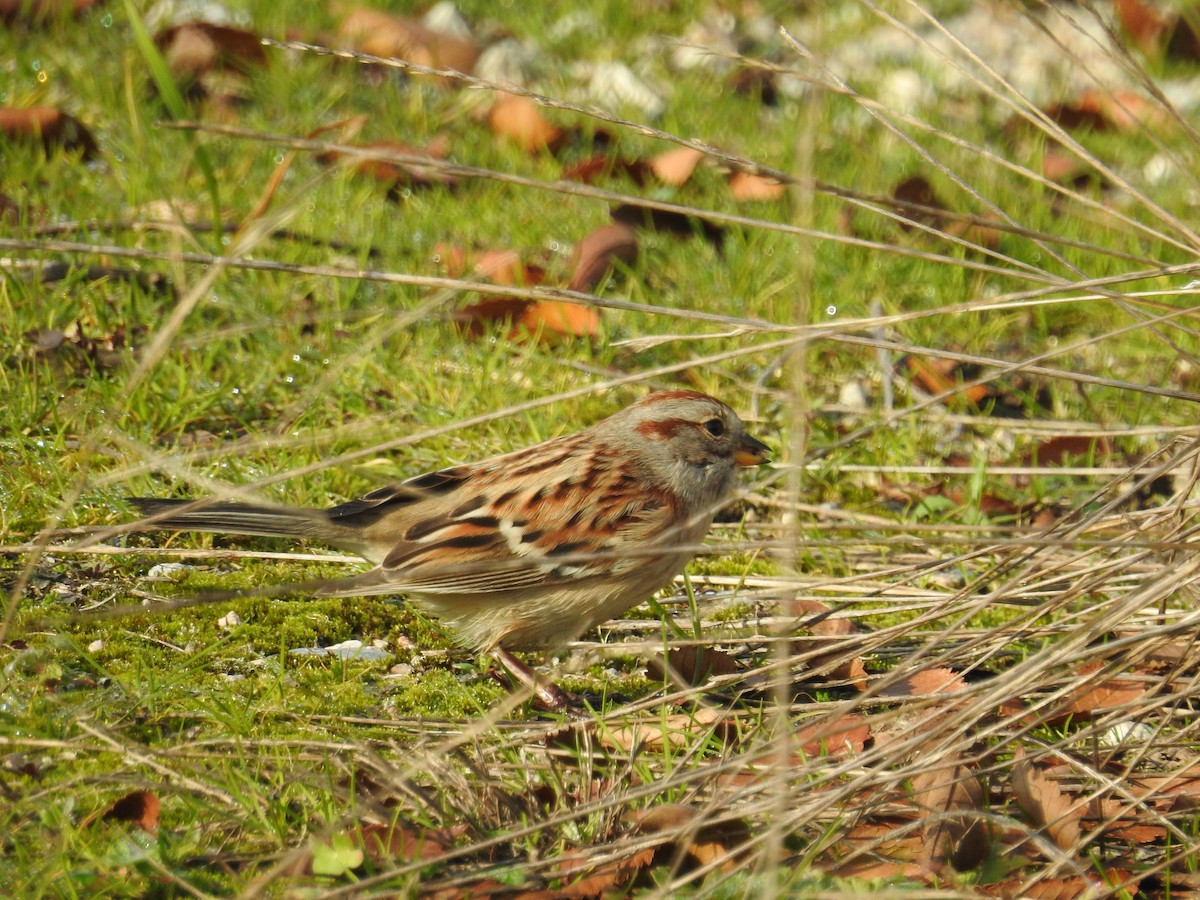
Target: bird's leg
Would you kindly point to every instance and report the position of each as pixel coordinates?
(549, 694)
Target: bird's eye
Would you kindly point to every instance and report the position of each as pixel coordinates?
(715, 427)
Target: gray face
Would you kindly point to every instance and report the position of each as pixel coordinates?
(690, 441)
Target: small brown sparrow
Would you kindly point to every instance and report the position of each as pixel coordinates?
(532, 548)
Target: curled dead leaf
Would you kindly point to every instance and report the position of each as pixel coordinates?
(138, 808)
(51, 126)
(595, 255)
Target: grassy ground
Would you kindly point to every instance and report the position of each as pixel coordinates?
(908, 531)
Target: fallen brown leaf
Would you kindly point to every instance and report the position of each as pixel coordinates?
(591, 170)
(520, 120)
(927, 682)
(659, 220)
(193, 48)
(550, 318)
(701, 842)
(1040, 797)
(675, 167)
(597, 881)
(827, 659)
(916, 191)
(138, 808)
(1123, 826)
(1057, 450)
(757, 82)
(595, 255)
(954, 830)
(845, 734)
(401, 842)
(694, 665)
(395, 37)
(675, 730)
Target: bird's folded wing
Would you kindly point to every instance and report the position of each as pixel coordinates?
(539, 546)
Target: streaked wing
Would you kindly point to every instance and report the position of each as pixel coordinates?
(531, 522)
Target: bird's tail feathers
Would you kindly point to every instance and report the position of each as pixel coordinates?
(237, 518)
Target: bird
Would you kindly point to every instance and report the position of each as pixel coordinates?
(529, 549)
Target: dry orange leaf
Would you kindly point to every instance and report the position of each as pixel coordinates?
(675, 167)
(595, 255)
(557, 317)
(395, 37)
(745, 186)
(825, 623)
(1045, 803)
(937, 376)
(1142, 24)
(1092, 700)
(520, 120)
